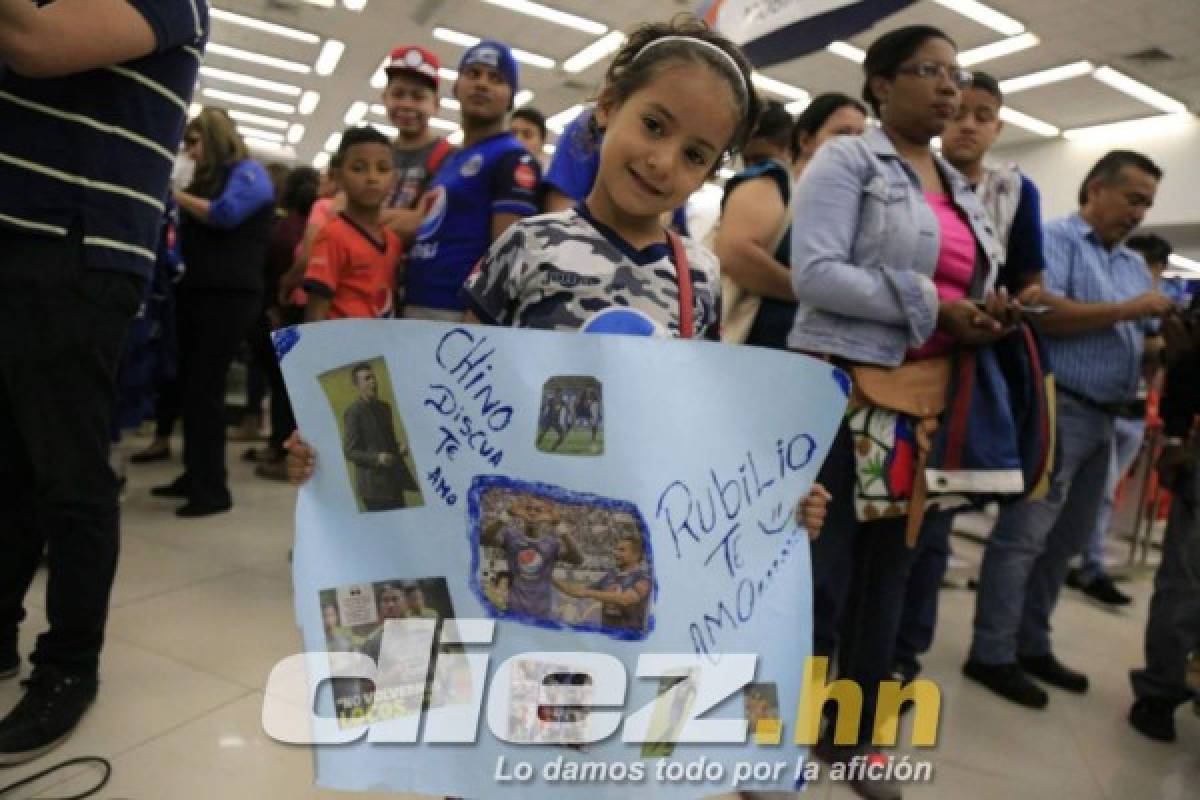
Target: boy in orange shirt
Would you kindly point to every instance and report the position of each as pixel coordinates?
(352, 270)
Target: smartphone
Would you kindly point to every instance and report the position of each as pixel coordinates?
(1033, 309)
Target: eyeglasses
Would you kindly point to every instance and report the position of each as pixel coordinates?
(929, 70)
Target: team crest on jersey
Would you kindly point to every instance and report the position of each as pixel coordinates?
(472, 167)
(524, 176)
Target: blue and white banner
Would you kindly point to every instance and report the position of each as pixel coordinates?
(549, 564)
(774, 31)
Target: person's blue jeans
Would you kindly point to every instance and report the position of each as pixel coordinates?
(1127, 442)
(1173, 629)
(919, 620)
(1027, 556)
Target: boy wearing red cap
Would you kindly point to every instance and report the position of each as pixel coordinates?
(410, 99)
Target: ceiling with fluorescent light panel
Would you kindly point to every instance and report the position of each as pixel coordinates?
(301, 70)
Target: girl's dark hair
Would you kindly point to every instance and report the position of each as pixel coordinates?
(774, 124)
(818, 112)
(300, 190)
(887, 53)
(628, 73)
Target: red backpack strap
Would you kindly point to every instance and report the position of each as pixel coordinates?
(436, 156)
(683, 274)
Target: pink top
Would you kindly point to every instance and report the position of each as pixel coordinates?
(955, 267)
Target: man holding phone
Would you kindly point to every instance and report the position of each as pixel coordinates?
(1103, 306)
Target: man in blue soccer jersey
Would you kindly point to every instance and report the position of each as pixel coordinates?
(479, 191)
(533, 548)
(623, 592)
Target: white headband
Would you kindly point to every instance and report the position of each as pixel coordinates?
(733, 64)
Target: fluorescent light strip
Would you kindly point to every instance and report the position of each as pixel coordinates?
(263, 25)
(194, 109)
(467, 40)
(1183, 262)
(281, 150)
(778, 87)
(321, 160)
(378, 110)
(455, 37)
(386, 130)
(354, 5)
(257, 119)
(549, 149)
(1138, 90)
(308, 102)
(455, 138)
(450, 104)
(216, 73)
(596, 51)
(380, 79)
(255, 133)
(216, 49)
(1046, 76)
(247, 100)
(295, 133)
(356, 113)
(443, 124)
(447, 74)
(334, 141)
(1116, 132)
(725, 173)
(796, 106)
(331, 54)
(1032, 124)
(552, 15)
(560, 120)
(984, 15)
(1004, 47)
(847, 50)
(524, 97)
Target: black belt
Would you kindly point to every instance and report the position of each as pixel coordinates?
(1134, 409)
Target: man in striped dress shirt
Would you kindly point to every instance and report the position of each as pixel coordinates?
(1102, 302)
(93, 100)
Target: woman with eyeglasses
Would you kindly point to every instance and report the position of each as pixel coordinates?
(225, 223)
(889, 245)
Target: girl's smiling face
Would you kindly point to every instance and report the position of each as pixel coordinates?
(663, 141)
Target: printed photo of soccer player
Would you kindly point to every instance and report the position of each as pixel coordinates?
(762, 707)
(564, 723)
(551, 557)
(354, 618)
(571, 420)
(382, 470)
(671, 713)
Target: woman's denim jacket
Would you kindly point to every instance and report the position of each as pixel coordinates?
(864, 249)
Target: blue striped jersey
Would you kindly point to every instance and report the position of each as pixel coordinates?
(94, 150)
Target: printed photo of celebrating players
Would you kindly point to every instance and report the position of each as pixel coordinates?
(552, 557)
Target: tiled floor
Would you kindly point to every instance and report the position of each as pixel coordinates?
(202, 611)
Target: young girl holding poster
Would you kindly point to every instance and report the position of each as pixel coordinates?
(677, 99)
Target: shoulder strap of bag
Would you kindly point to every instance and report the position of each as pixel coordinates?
(683, 274)
(437, 155)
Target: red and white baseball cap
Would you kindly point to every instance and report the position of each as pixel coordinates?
(410, 58)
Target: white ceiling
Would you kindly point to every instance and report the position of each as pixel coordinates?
(1100, 31)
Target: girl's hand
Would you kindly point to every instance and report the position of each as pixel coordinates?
(810, 511)
(301, 459)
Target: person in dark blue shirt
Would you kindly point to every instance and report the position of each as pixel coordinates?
(93, 98)
(482, 189)
(572, 171)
